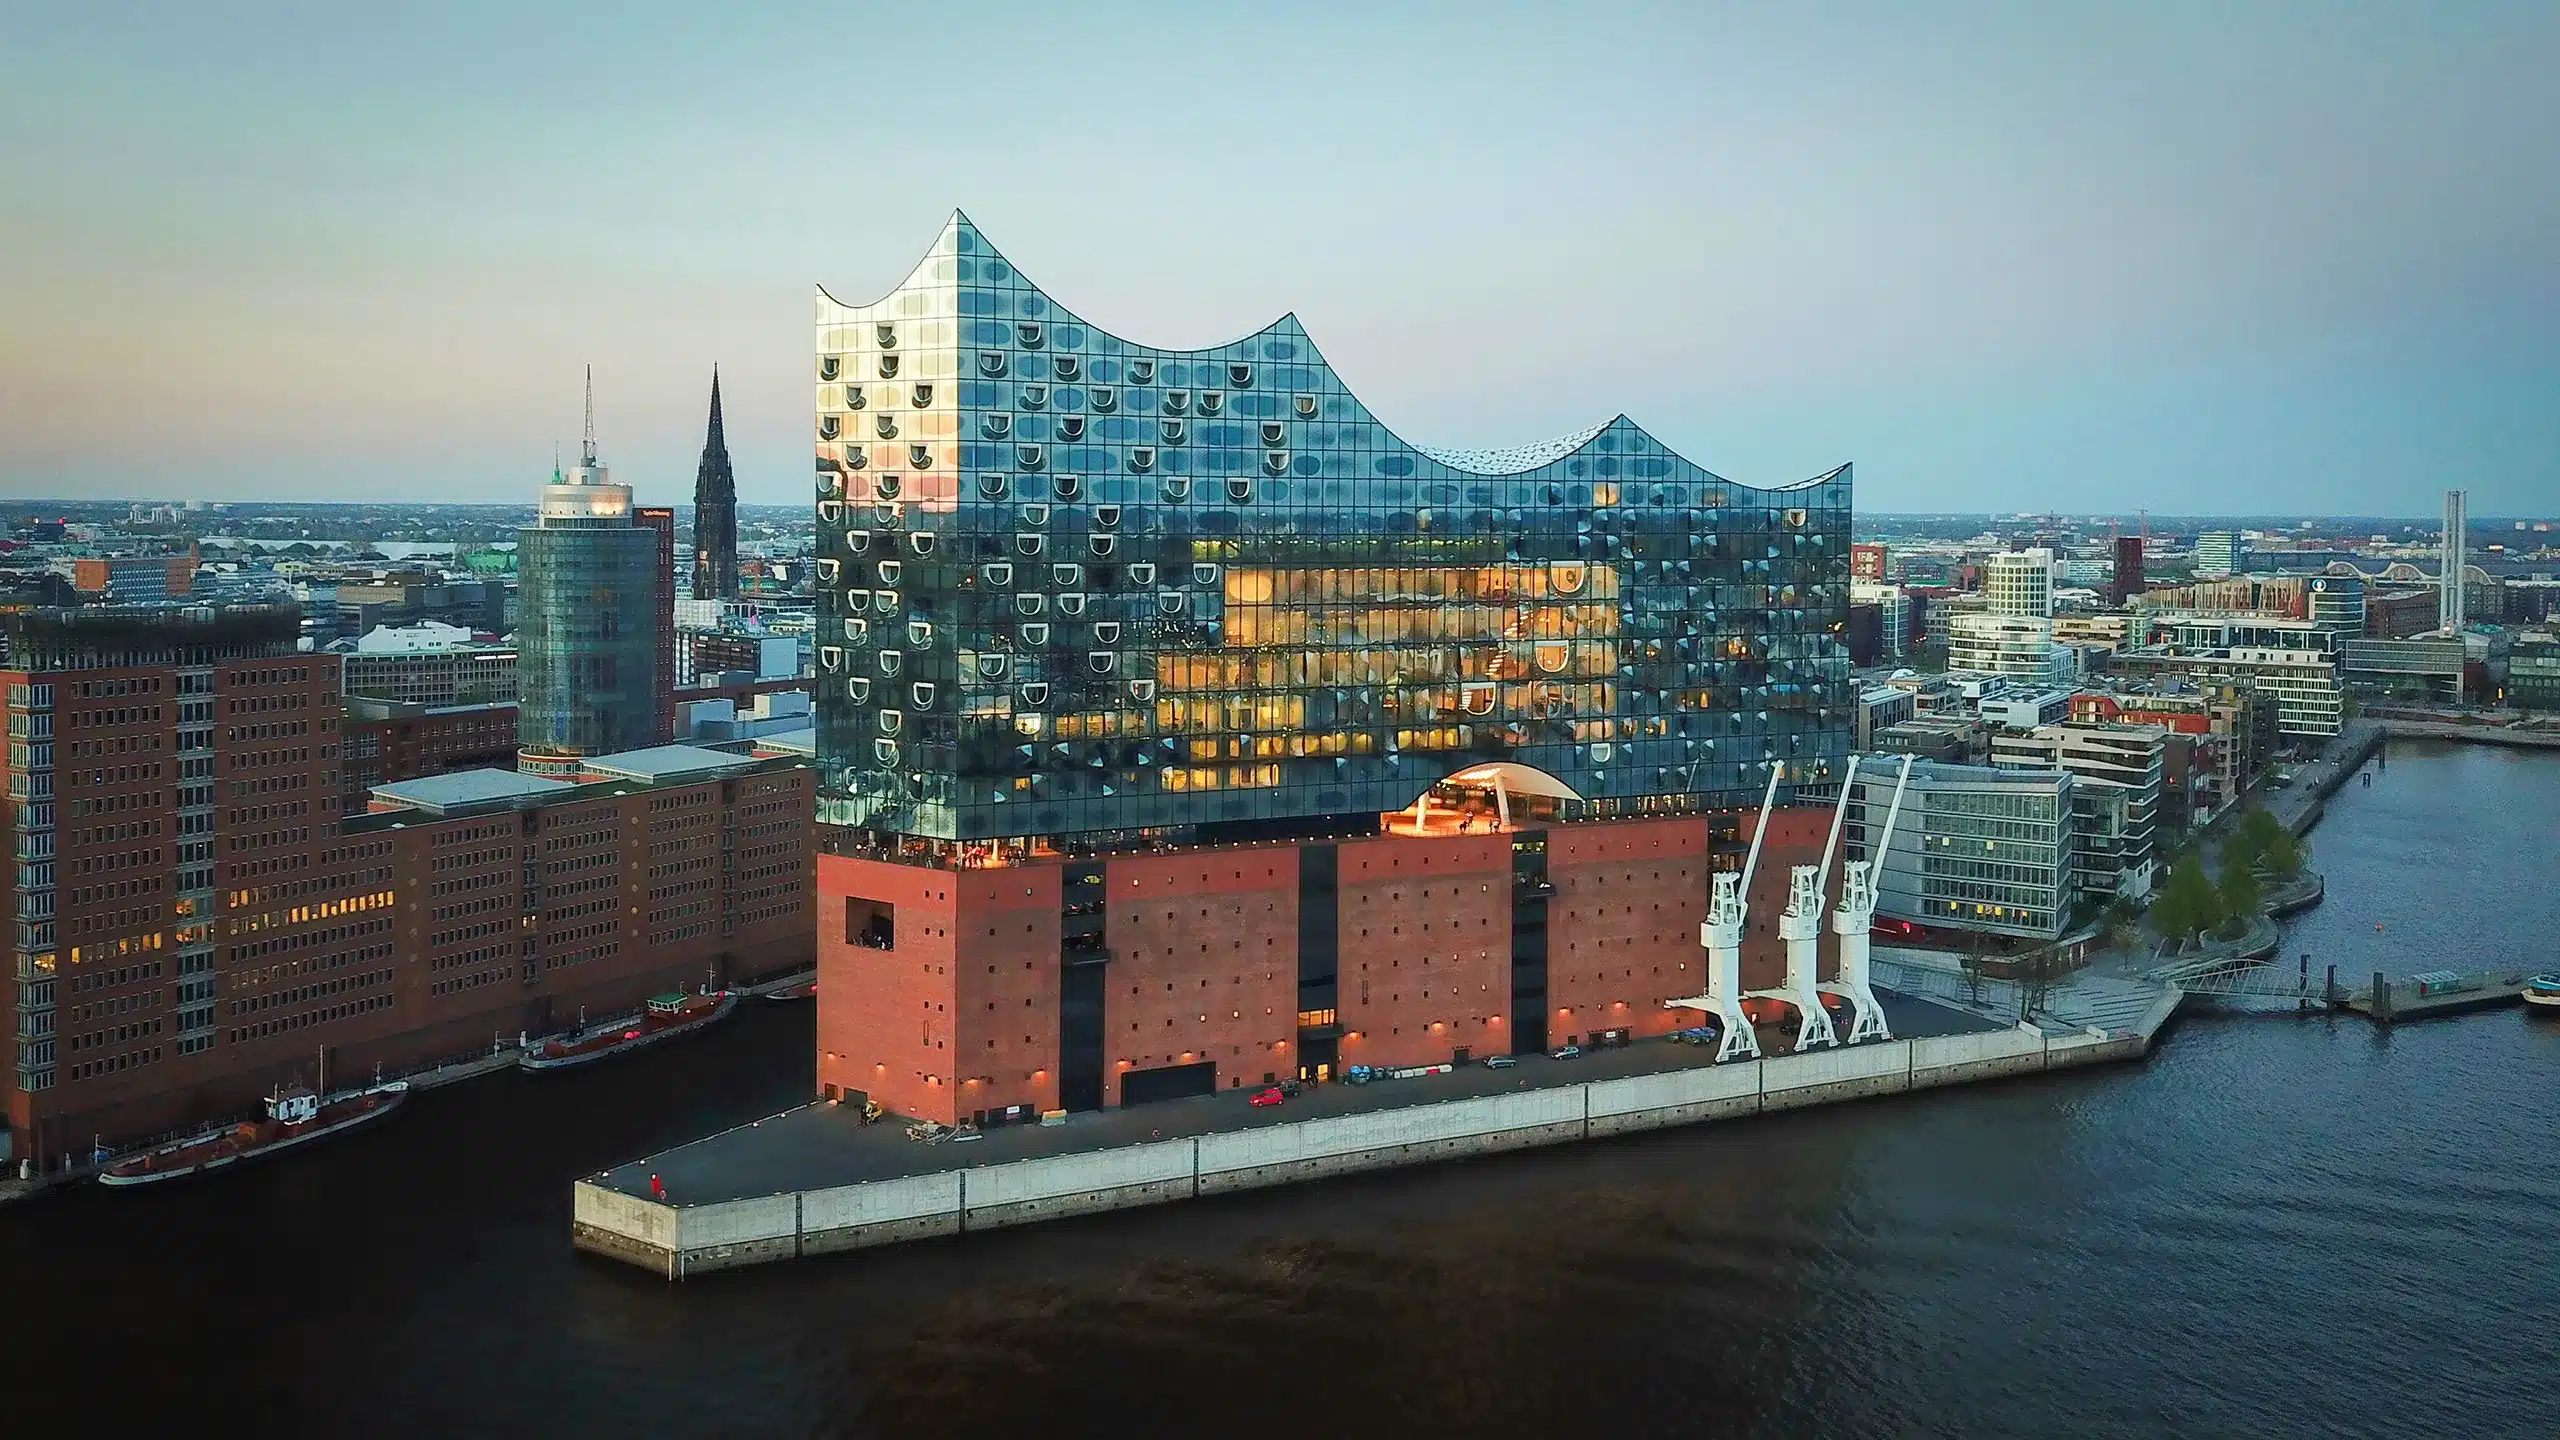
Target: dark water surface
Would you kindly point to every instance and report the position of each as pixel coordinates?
(2274, 1227)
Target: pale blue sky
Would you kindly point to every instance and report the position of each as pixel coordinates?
(2194, 257)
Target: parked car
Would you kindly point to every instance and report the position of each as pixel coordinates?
(1499, 1062)
(1568, 1052)
(1267, 1095)
(1290, 1088)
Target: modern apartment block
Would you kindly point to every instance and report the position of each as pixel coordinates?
(2020, 582)
(1974, 849)
(197, 914)
(2122, 770)
(1185, 726)
(2221, 552)
(2310, 705)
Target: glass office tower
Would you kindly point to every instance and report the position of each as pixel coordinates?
(1070, 585)
(588, 628)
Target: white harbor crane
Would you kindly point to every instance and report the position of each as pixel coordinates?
(1857, 915)
(1801, 927)
(1727, 909)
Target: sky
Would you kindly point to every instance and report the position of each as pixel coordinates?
(2195, 258)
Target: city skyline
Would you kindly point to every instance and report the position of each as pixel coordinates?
(2003, 260)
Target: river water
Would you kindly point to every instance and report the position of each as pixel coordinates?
(2276, 1226)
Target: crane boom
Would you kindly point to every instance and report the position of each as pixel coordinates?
(1760, 831)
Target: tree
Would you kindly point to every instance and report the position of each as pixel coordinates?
(2283, 855)
(2188, 904)
(2240, 895)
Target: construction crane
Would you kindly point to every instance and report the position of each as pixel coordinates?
(1857, 916)
(1727, 910)
(1801, 928)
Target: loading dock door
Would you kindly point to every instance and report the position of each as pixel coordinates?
(1168, 1082)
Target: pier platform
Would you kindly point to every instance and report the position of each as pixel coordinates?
(816, 1180)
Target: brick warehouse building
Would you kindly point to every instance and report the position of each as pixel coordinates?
(196, 914)
(1179, 725)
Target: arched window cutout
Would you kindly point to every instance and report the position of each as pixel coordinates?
(854, 398)
(1306, 407)
(922, 693)
(888, 485)
(1070, 427)
(888, 367)
(890, 660)
(1067, 487)
(885, 751)
(1172, 602)
(1143, 573)
(885, 425)
(1035, 397)
(1035, 692)
(1029, 457)
(991, 363)
(830, 658)
(1066, 574)
(1035, 514)
(1177, 487)
(1105, 399)
(1240, 489)
(857, 687)
(923, 394)
(1036, 632)
(920, 457)
(829, 367)
(828, 427)
(1031, 604)
(998, 573)
(1142, 372)
(1176, 401)
(1275, 462)
(1066, 367)
(857, 541)
(995, 425)
(1028, 544)
(920, 633)
(1101, 662)
(886, 334)
(1170, 431)
(827, 570)
(1142, 458)
(831, 511)
(1100, 544)
(857, 631)
(1142, 690)
(1204, 573)
(890, 720)
(1275, 433)
(1106, 632)
(992, 486)
(1212, 401)
(885, 601)
(1030, 334)
(1239, 377)
(992, 664)
(921, 542)
(1106, 516)
(856, 457)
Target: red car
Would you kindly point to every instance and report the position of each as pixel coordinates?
(1267, 1095)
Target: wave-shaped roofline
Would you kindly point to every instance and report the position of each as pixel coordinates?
(1574, 442)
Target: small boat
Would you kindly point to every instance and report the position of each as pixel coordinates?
(805, 990)
(2544, 991)
(295, 1115)
(665, 1017)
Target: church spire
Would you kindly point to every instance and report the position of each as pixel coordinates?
(715, 511)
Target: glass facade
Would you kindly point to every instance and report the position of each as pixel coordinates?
(1973, 849)
(1069, 584)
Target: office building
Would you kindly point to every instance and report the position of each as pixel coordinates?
(385, 741)
(1159, 690)
(715, 513)
(2121, 772)
(1975, 849)
(2127, 579)
(429, 664)
(2005, 645)
(1893, 616)
(2533, 671)
(199, 915)
(134, 579)
(662, 520)
(2310, 705)
(2336, 603)
(2454, 555)
(2220, 552)
(2424, 671)
(2019, 583)
(1868, 563)
(2026, 709)
(587, 677)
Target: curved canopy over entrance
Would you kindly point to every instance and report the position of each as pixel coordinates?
(1493, 796)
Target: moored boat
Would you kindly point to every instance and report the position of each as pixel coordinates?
(294, 1116)
(2544, 991)
(805, 990)
(665, 1017)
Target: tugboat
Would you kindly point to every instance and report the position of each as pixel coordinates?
(295, 1115)
(2543, 992)
(665, 1017)
(788, 994)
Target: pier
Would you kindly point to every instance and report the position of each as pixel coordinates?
(814, 1181)
(2382, 1000)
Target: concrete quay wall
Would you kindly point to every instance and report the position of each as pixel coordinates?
(676, 1241)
